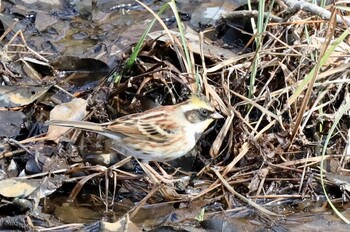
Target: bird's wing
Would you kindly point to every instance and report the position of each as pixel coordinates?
(154, 125)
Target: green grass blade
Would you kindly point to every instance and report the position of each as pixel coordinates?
(139, 44)
(342, 110)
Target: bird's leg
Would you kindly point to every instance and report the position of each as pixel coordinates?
(155, 176)
(165, 174)
(167, 179)
(167, 186)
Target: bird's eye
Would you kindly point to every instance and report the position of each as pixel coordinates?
(204, 112)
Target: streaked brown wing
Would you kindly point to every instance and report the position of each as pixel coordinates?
(153, 125)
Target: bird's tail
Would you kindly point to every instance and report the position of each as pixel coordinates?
(89, 126)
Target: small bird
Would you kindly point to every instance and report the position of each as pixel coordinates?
(159, 134)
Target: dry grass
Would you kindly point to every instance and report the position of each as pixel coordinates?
(270, 145)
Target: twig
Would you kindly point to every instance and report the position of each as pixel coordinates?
(248, 201)
(314, 9)
(248, 13)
